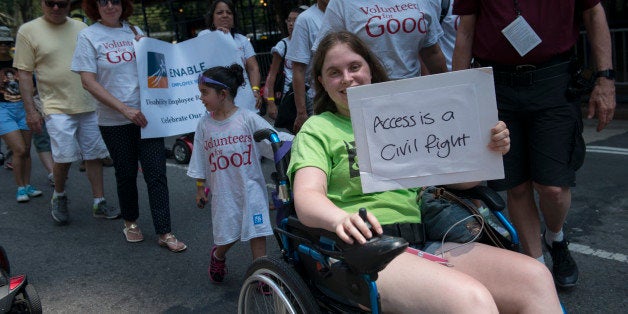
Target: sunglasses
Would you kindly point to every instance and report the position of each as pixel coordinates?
(103, 3)
(59, 4)
(6, 43)
(205, 79)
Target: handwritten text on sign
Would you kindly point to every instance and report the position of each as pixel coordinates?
(416, 132)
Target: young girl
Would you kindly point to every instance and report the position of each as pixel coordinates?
(226, 154)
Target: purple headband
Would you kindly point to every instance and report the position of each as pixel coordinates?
(205, 79)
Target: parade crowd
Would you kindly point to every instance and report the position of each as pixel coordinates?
(61, 92)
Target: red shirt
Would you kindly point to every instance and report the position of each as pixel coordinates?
(553, 20)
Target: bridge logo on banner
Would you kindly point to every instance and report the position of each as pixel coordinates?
(157, 66)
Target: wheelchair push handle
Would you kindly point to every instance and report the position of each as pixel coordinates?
(275, 143)
(264, 134)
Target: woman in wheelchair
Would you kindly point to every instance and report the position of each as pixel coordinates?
(328, 194)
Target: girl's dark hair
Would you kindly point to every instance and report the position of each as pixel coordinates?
(209, 17)
(322, 101)
(91, 9)
(299, 9)
(232, 76)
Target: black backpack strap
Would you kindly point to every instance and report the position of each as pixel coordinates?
(444, 8)
(285, 50)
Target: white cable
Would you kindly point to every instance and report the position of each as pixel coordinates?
(442, 244)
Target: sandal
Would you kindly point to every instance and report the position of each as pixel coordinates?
(133, 233)
(172, 243)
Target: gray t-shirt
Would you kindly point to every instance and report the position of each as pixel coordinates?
(450, 28)
(227, 156)
(303, 36)
(281, 49)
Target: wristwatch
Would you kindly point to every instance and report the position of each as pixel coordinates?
(608, 73)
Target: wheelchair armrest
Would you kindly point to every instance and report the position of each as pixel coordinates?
(368, 258)
(483, 193)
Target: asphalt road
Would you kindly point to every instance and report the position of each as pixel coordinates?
(87, 267)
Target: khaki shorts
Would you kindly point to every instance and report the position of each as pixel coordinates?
(74, 137)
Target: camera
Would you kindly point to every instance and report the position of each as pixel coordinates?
(582, 83)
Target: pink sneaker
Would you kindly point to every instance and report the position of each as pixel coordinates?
(217, 268)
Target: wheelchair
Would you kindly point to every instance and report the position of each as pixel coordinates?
(317, 272)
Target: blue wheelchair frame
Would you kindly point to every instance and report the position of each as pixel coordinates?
(316, 253)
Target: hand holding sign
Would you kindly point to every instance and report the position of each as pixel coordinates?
(425, 131)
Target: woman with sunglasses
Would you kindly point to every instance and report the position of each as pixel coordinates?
(105, 59)
(222, 17)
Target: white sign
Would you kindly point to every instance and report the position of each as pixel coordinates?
(424, 131)
(168, 75)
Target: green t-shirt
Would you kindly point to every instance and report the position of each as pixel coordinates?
(326, 142)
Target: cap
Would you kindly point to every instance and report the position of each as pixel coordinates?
(5, 34)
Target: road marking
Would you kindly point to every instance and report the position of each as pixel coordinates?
(184, 167)
(574, 247)
(585, 249)
(607, 150)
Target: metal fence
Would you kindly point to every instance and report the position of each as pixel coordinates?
(264, 59)
(619, 38)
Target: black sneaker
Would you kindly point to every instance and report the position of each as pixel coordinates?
(565, 270)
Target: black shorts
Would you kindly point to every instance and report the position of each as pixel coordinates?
(545, 131)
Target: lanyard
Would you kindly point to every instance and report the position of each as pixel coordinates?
(517, 7)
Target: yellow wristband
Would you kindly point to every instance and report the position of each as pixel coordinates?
(255, 88)
(200, 183)
(271, 98)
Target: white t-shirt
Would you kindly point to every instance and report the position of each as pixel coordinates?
(394, 30)
(108, 52)
(226, 155)
(281, 48)
(244, 51)
(303, 37)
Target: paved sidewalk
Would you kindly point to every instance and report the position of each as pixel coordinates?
(614, 128)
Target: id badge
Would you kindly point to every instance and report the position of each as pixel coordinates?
(521, 36)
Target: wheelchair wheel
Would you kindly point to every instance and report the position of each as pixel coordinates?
(27, 301)
(287, 292)
(181, 152)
